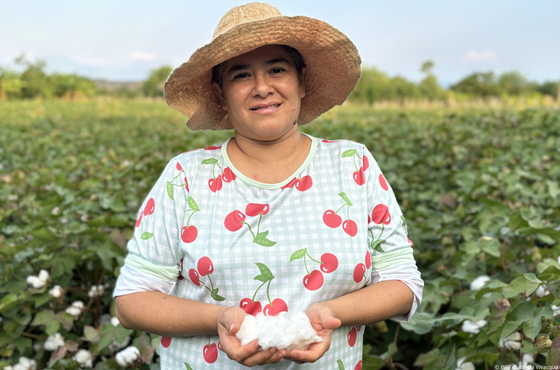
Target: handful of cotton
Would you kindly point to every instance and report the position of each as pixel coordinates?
(283, 331)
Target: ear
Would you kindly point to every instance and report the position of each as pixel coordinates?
(219, 92)
(303, 79)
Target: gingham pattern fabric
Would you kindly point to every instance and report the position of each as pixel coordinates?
(332, 228)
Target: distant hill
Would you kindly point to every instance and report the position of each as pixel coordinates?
(118, 85)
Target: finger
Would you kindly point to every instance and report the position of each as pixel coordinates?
(331, 323)
(259, 358)
(276, 358)
(236, 352)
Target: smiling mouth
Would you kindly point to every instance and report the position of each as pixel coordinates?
(268, 106)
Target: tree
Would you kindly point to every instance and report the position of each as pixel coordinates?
(513, 83)
(429, 86)
(373, 86)
(34, 78)
(550, 88)
(153, 86)
(483, 84)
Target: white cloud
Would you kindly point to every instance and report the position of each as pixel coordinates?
(142, 56)
(476, 56)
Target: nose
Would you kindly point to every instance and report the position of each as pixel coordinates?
(262, 86)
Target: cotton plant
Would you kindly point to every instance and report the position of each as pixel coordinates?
(512, 342)
(23, 364)
(479, 282)
(127, 356)
(96, 291)
(75, 309)
(39, 281)
(462, 365)
(115, 346)
(56, 291)
(541, 291)
(115, 321)
(473, 327)
(84, 358)
(53, 342)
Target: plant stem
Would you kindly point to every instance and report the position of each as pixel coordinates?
(254, 295)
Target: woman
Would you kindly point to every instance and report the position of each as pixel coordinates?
(272, 220)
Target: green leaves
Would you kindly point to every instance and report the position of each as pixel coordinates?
(192, 204)
(345, 198)
(261, 239)
(146, 235)
(209, 161)
(52, 321)
(527, 283)
(169, 188)
(298, 254)
(266, 274)
(348, 153)
(214, 294)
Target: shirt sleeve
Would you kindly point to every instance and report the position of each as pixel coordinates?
(392, 255)
(154, 256)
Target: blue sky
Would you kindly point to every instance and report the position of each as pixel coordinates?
(123, 40)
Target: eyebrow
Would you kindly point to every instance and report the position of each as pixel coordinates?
(238, 67)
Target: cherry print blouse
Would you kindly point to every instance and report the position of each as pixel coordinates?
(208, 233)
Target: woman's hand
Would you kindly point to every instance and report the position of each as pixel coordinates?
(229, 322)
(323, 321)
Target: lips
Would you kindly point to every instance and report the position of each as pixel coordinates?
(265, 106)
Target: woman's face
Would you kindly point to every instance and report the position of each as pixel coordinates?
(262, 93)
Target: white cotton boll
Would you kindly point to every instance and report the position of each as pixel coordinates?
(37, 346)
(56, 291)
(115, 321)
(511, 342)
(73, 311)
(35, 282)
(287, 330)
(53, 342)
(55, 211)
(127, 356)
(542, 291)
(78, 304)
(473, 327)
(84, 358)
(115, 346)
(96, 291)
(24, 364)
(462, 365)
(479, 282)
(556, 310)
(44, 275)
(525, 361)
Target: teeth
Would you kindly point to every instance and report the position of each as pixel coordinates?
(268, 106)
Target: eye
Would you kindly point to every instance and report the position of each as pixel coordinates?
(277, 70)
(240, 75)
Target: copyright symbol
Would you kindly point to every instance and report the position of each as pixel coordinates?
(496, 366)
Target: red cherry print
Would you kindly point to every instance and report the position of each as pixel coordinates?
(368, 260)
(314, 280)
(359, 272)
(210, 353)
(186, 184)
(365, 165)
(253, 209)
(213, 147)
(350, 228)
(228, 175)
(383, 182)
(331, 219)
(220, 347)
(178, 166)
(352, 335)
(233, 221)
(189, 234)
(305, 183)
(290, 184)
(195, 278)
(381, 214)
(251, 308)
(150, 207)
(409, 241)
(328, 141)
(139, 220)
(278, 305)
(330, 263)
(358, 365)
(215, 184)
(165, 341)
(368, 219)
(205, 266)
(359, 177)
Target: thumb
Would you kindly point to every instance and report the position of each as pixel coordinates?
(329, 321)
(232, 320)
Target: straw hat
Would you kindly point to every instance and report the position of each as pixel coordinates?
(332, 61)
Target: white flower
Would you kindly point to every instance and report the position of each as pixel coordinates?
(115, 321)
(127, 356)
(511, 342)
(84, 358)
(115, 346)
(55, 211)
(542, 291)
(462, 365)
(96, 291)
(556, 310)
(23, 364)
(53, 342)
(75, 309)
(56, 291)
(479, 282)
(473, 327)
(38, 281)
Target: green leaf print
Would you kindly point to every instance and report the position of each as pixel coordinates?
(188, 366)
(266, 274)
(340, 364)
(403, 221)
(348, 153)
(214, 294)
(170, 190)
(262, 240)
(376, 245)
(192, 204)
(298, 254)
(345, 198)
(209, 161)
(146, 235)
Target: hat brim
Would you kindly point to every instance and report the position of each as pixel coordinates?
(332, 61)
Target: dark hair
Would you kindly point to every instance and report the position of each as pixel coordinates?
(218, 71)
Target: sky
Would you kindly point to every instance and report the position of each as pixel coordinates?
(122, 40)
